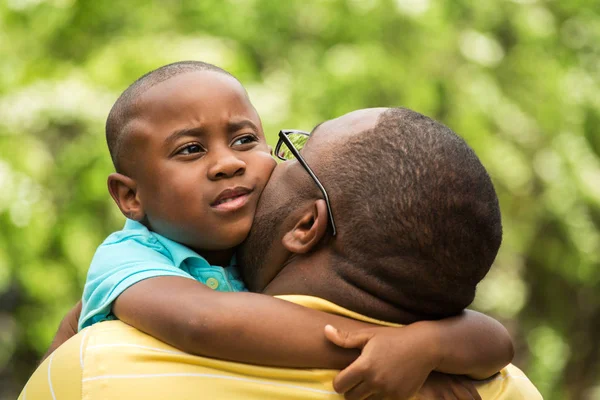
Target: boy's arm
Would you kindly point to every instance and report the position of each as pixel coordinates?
(259, 329)
(243, 327)
(66, 329)
(132, 278)
(472, 344)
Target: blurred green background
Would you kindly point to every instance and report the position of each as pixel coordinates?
(519, 80)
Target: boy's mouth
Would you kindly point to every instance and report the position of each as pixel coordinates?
(231, 199)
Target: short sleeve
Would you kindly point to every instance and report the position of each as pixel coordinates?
(115, 267)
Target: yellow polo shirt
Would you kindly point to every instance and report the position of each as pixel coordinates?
(111, 360)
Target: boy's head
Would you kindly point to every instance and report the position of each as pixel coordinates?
(190, 155)
(417, 217)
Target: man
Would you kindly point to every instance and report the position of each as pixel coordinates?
(416, 224)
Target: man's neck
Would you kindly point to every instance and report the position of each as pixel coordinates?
(314, 275)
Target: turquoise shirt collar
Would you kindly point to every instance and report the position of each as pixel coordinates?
(178, 251)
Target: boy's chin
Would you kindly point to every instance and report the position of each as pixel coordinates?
(230, 237)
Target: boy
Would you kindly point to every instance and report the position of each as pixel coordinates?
(191, 161)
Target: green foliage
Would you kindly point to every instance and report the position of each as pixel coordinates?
(518, 79)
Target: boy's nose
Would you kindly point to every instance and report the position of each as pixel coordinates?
(226, 166)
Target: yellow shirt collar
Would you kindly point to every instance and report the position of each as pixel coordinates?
(317, 303)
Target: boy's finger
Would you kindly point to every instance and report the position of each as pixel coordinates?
(471, 389)
(461, 392)
(464, 389)
(348, 378)
(375, 397)
(346, 339)
(359, 392)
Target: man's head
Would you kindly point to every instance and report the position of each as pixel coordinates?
(417, 215)
(190, 155)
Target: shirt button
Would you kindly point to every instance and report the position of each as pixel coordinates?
(212, 283)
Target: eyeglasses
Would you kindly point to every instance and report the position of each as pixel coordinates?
(294, 141)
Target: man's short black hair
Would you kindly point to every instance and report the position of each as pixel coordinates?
(417, 210)
(124, 108)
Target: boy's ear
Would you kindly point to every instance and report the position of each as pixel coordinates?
(123, 190)
(309, 229)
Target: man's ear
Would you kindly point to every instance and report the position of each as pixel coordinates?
(123, 190)
(309, 229)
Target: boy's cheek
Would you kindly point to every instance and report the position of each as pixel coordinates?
(269, 163)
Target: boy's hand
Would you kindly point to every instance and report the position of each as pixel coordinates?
(447, 387)
(394, 362)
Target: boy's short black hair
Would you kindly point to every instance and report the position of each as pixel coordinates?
(122, 111)
(417, 210)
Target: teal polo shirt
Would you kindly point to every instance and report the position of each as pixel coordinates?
(136, 253)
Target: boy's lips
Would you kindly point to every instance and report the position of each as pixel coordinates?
(232, 199)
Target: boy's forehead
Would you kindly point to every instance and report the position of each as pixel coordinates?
(212, 83)
(188, 100)
(191, 99)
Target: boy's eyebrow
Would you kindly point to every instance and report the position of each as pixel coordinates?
(199, 130)
(237, 125)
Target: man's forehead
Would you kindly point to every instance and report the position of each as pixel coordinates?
(346, 126)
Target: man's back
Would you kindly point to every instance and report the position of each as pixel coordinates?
(114, 360)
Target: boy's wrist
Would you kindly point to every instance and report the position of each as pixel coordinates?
(432, 336)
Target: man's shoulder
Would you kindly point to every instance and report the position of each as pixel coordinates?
(117, 361)
(118, 334)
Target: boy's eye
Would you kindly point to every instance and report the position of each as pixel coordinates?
(245, 140)
(190, 149)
